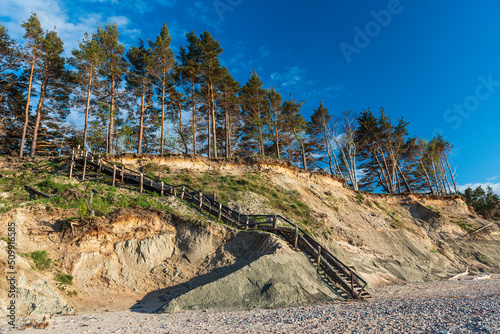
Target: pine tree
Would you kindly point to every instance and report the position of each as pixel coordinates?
(160, 65)
(10, 92)
(382, 149)
(55, 87)
(33, 37)
(177, 105)
(296, 124)
(189, 79)
(318, 131)
(112, 70)
(254, 107)
(139, 83)
(86, 61)
(211, 74)
(9, 61)
(229, 104)
(274, 117)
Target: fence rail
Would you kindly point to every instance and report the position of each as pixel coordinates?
(336, 270)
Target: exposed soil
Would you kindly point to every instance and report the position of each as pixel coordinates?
(149, 256)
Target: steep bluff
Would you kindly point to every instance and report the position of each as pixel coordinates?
(135, 253)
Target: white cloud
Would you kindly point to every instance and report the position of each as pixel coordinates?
(484, 185)
(69, 23)
(121, 21)
(51, 14)
(291, 77)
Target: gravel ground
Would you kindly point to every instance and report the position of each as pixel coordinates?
(464, 306)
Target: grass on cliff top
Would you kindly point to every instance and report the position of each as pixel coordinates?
(230, 188)
(50, 177)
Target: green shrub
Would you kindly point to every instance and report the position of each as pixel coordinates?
(41, 260)
(64, 279)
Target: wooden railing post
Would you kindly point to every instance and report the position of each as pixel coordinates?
(220, 211)
(247, 222)
(123, 173)
(182, 194)
(72, 163)
(296, 243)
(318, 258)
(162, 187)
(142, 182)
(275, 222)
(84, 165)
(175, 191)
(352, 285)
(114, 175)
(100, 166)
(201, 199)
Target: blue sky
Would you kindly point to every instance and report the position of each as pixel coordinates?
(437, 64)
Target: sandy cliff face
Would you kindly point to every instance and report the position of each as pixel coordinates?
(386, 237)
(129, 255)
(137, 253)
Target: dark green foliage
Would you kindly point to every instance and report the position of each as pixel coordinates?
(486, 203)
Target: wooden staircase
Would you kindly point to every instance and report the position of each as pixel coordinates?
(328, 266)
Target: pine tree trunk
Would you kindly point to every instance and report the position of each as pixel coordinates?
(427, 178)
(141, 121)
(194, 118)
(228, 133)
(327, 146)
(212, 103)
(26, 113)
(451, 174)
(87, 108)
(111, 118)
(445, 177)
(209, 133)
(385, 178)
(162, 140)
(180, 128)
(39, 110)
(276, 138)
(435, 177)
(407, 185)
(302, 149)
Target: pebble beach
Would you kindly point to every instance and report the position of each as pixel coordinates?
(458, 306)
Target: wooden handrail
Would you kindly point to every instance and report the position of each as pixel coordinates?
(323, 258)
